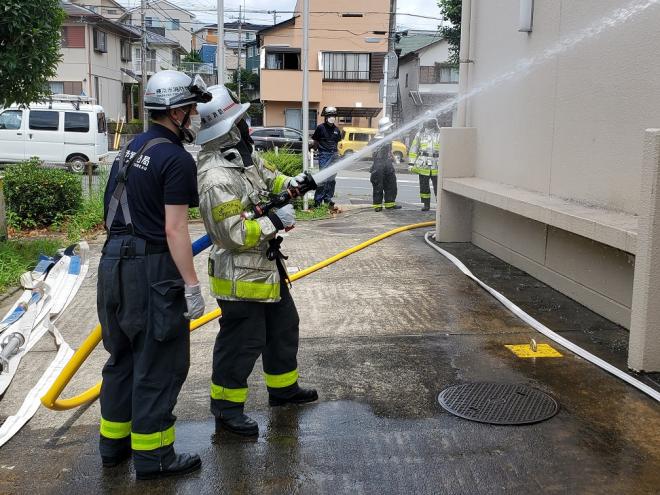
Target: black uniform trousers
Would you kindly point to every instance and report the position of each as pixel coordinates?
(248, 330)
(425, 188)
(383, 180)
(140, 302)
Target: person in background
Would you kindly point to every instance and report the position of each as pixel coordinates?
(383, 175)
(326, 139)
(424, 160)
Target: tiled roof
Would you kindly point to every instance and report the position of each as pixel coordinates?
(412, 43)
(152, 38)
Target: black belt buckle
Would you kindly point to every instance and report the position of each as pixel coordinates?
(127, 251)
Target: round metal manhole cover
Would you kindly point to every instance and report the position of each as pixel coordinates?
(498, 403)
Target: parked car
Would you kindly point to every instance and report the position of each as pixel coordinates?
(285, 138)
(355, 138)
(65, 129)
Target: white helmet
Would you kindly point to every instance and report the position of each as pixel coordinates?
(329, 112)
(172, 89)
(220, 114)
(384, 124)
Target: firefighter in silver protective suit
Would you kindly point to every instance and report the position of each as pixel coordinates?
(424, 158)
(247, 275)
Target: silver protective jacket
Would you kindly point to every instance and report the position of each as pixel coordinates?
(424, 154)
(239, 269)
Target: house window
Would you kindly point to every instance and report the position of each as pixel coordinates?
(152, 22)
(100, 41)
(73, 37)
(112, 11)
(57, 88)
(176, 58)
(447, 74)
(175, 25)
(427, 74)
(346, 66)
(345, 120)
(125, 51)
(283, 60)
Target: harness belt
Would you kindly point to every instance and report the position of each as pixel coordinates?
(130, 246)
(119, 196)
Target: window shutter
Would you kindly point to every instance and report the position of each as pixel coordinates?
(376, 66)
(73, 37)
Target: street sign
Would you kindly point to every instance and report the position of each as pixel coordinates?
(392, 91)
(391, 62)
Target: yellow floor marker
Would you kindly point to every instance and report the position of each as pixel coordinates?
(526, 351)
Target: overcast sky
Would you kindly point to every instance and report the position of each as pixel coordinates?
(204, 10)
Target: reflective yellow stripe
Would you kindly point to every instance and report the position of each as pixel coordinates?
(152, 441)
(422, 171)
(434, 171)
(377, 206)
(257, 290)
(425, 195)
(231, 394)
(115, 430)
(281, 381)
(220, 286)
(390, 205)
(412, 156)
(278, 183)
(252, 233)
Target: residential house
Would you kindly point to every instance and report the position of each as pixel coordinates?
(92, 52)
(551, 168)
(426, 78)
(205, 39)
(165, 18)
(346, 54)
(110, 9)
(162, 54)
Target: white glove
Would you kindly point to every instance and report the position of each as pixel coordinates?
(287, 215)
(194, 302)
(297, 180)
(410, 167)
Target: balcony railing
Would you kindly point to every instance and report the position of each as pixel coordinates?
(196, 68)
(346, 75)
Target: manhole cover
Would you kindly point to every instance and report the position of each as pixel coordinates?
(498, 403)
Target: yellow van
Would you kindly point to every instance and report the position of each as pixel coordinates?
(355, 138)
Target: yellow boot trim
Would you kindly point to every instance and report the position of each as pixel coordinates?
(115, 430)
(281, 381)
(152, 441)
(238, 395)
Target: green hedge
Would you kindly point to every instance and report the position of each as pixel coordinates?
(37, 197)
(290, 164)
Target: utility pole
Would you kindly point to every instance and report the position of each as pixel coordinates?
(274, 12)
(240, 50)
(305, 95)
(143, 50)
(390, 48)
(220, 49)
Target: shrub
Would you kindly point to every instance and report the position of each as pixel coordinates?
(290, 164)
(39, 196)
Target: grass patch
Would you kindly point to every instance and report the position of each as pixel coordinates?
(194, 214)
(88, 219)
(318, 213)
(19, 256)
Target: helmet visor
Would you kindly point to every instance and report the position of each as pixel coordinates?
(199, 90)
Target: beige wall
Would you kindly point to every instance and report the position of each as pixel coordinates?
(348, 94)
(573, 128)
(166, 12)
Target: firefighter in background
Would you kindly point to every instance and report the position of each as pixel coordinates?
(424, 157)
(383, 175)
(326, 139)
(247, 275)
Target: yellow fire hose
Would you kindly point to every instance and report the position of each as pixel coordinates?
(51, 399)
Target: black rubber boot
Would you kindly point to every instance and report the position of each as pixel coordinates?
(182, 464)
(395, 207)
(301, 396)
(427, 204)
(112, 461)
(239, 424)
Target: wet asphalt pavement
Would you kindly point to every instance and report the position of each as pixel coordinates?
(382, 333)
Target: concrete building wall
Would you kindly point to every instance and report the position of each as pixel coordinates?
(573, 128)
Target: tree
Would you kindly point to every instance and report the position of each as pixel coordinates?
(194, 56)
(249, 83)
(451, 12)
(29, 48)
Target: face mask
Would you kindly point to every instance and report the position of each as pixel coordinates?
(331, 120)
(195, 124)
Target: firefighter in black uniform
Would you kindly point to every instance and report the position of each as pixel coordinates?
(383, 175)
(326, 140)
(147, 285)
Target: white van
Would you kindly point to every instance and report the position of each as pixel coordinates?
(63, 129)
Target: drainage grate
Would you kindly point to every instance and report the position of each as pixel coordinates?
(498, 403)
